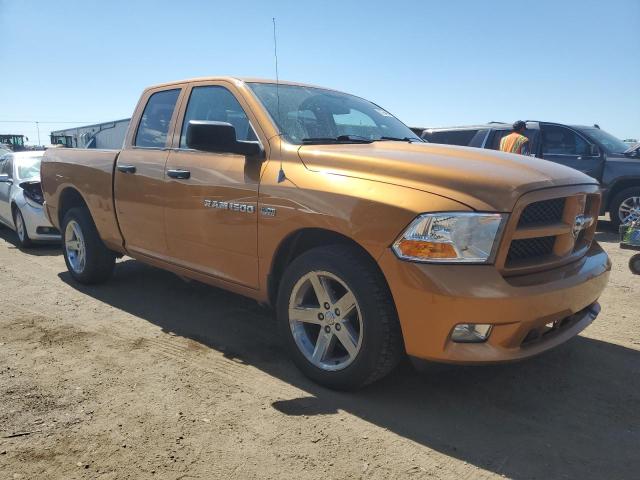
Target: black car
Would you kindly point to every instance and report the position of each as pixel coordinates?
(586, 148)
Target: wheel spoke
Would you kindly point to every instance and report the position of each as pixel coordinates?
(346, 304)
(322, 346)
(73, 245)
(306, 315)
(346, 339)
(320, 289)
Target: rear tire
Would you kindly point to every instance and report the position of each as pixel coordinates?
(625, 202)
(21, 229)
(88, 260)
(346, 349)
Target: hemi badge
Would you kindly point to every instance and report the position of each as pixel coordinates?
(268, 211)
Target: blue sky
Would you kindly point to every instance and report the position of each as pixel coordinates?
(431, 63)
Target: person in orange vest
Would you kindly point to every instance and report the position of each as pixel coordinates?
(516, 142)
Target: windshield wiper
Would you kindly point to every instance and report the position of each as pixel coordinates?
(398, 139)
(338, 139)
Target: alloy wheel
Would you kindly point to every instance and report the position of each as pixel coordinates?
(629, 210)
(325, 320)
(20, 228)
(75, 247)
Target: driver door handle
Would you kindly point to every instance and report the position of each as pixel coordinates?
(126, 168)
(179, 174)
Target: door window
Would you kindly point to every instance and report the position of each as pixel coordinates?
(500, 134)
(7, 166)
(154, 124)
(451, 137)
(216, 104)
(557, 140)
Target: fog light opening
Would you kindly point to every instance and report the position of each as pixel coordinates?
(471, 333)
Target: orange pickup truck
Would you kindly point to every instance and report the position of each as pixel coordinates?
(369, 243)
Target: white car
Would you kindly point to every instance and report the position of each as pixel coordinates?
(21, 198)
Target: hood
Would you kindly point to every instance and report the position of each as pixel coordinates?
(482, 179)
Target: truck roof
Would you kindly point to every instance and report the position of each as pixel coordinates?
(237, 79)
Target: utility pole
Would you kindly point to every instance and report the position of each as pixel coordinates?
(38, 128)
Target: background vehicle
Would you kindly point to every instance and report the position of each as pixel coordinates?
(368, 242)
(586, 148)
(21, 198)
(13, 141)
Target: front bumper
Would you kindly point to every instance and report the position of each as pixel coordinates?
(432, 299)
(38, 226)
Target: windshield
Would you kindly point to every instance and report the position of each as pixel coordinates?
(28, 167)
(610, 143)
(308, 114)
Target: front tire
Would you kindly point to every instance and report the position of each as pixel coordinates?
(88, 259)
(625, 206)
(338, 319)
(21, 229)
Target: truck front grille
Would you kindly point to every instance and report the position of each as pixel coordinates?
(530, 248)
(541, 232)
(545, 212)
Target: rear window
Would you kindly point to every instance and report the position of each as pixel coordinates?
(450, 137)
(154, 124)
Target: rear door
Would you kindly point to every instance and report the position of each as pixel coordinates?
(139, 173)
(566, 146)
(211, 198)
(6, 167)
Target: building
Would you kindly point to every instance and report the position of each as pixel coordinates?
(107, 135)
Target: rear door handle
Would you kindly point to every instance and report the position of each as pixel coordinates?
(126, 168)
(179, 174)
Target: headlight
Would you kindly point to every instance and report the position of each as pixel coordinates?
(460, 237)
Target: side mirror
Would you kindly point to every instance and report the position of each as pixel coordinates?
(4, 178)
(218, 137)
(594, 151)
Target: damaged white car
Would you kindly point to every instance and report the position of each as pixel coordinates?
(21, 198)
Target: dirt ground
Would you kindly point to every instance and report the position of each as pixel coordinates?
(150, 377)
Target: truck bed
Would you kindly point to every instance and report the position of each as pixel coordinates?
(90, 173)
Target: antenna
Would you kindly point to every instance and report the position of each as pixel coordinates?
(281, 175)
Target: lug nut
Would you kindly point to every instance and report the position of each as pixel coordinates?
(327, 306)
(320, 316)
(337, 311)
(327, 329)
(338, 326)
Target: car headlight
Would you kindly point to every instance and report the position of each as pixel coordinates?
(460, 237)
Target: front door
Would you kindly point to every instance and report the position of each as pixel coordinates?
(139, 177)
(566, 146)
(211, 217)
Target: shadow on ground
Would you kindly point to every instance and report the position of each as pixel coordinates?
(570, 413)
(38, 249)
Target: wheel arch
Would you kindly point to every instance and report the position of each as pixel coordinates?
(70, 198)
(617, 187)
(14, 209)
(299, 242)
